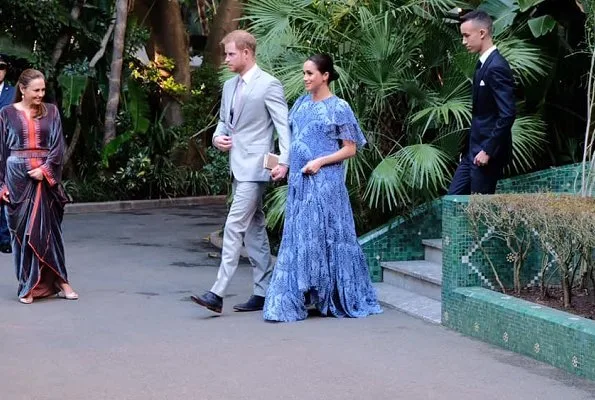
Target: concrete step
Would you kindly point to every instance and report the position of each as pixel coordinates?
(422, 277)
(410, 303)
(433, 250)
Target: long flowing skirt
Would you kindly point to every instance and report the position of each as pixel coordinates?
(320, 261)
(34, 219)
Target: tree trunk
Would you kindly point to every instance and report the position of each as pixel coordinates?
(226, 20)
(170, 39)
(566, 289)
(64, 38)
(111, 108)
(517, 276)
(201, 8)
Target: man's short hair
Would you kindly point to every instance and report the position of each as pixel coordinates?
(242, 39)
(481, 18)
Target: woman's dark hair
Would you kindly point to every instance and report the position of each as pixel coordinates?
(324, 63)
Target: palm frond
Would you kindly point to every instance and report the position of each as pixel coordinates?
(384, 49)
(386, 186)
(430, 9)
(528, 61)
(528, 139)
(274, 205)
(272, 16)
(425, 166)
(444, 109)
(450, 140)
(357, 168)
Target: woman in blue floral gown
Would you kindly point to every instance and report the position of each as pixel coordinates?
(320, 261)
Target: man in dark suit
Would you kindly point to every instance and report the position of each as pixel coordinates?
(490, 138)
(6, 98)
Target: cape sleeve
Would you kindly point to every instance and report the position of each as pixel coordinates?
(345, 125)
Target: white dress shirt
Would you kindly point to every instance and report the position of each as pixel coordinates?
(486, 54)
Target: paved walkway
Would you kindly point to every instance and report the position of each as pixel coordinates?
(135, 335)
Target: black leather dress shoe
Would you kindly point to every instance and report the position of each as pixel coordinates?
(209, 300)
(6, 248)
(254, 303)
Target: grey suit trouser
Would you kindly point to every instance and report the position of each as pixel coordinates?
(245, 224)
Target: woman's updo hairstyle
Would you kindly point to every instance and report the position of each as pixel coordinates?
(324, 63)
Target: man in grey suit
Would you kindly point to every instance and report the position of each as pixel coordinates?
(252, 106)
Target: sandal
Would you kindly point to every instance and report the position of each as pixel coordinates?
(26, 300)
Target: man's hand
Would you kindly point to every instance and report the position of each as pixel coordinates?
(5, 198)
(222, 142)
(36, 174)
(279, 172)
(481, 159)
(312, 167)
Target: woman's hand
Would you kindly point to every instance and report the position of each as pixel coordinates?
(36, 174)
(5, 198)
(313, 166)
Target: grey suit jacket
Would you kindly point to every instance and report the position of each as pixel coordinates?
(262, 110)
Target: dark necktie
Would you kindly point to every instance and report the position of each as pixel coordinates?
(477, 68)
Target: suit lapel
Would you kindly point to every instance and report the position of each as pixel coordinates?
(480, 74)
(245, 93)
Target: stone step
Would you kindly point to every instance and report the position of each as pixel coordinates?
(433, 250)
(421, 277)
(410, 303)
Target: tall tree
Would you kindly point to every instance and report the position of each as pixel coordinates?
(226, 20)
(111, 109)
(65, 36)
(170, 39)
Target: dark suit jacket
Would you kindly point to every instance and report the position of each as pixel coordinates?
(7, 95)
(494, 110)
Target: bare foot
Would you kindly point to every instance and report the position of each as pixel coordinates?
(26, 299)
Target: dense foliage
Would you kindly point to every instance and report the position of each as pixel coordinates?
(403, 70)
(407, 76)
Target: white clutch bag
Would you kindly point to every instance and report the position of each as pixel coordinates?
(270, 161)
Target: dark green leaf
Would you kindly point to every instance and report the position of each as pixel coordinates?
(542, 25)
(73, 88)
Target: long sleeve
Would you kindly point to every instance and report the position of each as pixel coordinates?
(52, 168)
(277, 107)
(502, 83)
(222, 125)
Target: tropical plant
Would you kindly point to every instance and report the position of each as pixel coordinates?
(407, 78)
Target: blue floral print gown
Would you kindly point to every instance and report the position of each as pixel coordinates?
(320, 261)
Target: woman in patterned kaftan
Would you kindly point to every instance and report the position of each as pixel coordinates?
(320, 261)
(31, 152)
